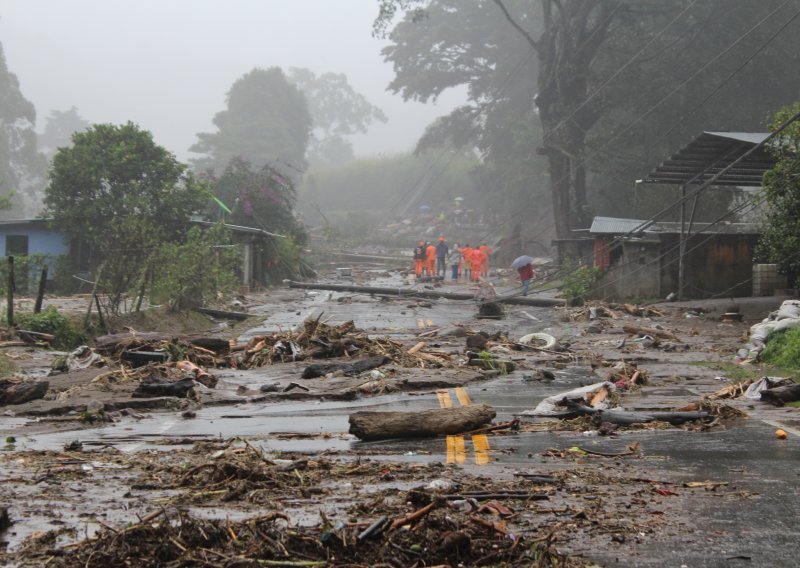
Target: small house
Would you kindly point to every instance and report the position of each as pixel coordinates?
(718, 259)
(35, 242)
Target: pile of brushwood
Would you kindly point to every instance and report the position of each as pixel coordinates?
(316, 340)
(443, 523)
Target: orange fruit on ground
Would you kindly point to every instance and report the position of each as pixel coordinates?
(781, 434)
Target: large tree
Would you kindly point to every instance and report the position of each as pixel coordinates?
(266, 123)
(22, 167)
(337, 111)
(602, 73)
(119, 194)
(59, 128)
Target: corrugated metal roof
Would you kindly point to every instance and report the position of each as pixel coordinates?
(749, 137)
(620, 226)
(711, 152)
(616, 225)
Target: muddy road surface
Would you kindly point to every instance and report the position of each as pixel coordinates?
(258, 469)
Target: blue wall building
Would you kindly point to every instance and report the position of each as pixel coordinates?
(28, 237)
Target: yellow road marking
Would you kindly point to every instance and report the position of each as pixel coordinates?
(444, 399)
(462, 396)
(481, 444)
(456, 446)
(461, 449)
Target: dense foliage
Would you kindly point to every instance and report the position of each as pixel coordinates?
(196, 270)
(780, 229)
(50, 320)
(119, 194)
(262, 198)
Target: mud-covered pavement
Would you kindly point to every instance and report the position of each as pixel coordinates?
(275, 476)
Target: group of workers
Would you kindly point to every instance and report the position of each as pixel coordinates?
(467, 262)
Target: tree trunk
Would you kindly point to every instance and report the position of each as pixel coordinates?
(382, 425)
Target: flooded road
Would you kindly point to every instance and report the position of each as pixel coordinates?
(748, 517)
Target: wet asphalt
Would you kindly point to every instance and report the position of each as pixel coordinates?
(762, 528)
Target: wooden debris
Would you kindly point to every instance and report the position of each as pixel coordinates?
(370, 425)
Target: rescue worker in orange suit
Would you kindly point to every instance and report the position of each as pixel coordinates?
(430, 259)
(485, 262)
(478, 260)
(419, 258)
(466, 261)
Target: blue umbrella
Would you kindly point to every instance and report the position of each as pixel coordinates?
(521, 261)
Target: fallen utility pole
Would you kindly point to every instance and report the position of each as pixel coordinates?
(411, 293)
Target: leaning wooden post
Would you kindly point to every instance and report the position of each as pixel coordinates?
(94, 291)
(10, 293)
(40, 295)
(100, 313)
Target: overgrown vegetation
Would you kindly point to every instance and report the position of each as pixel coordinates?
(577, 281)
(730, 370)
(190, 273)
(780, 229)
(51, 321)
(783, 350)
(7, 366)
(27, 271)
(121, 195)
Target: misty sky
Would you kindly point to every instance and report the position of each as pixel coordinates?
(167, 64)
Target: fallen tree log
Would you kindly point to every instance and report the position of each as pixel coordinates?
(353, 368)
(155, 386)
(626, 418)
(781, 395)
(223, 314)
(412, 293)
(368, 425)
(19, 393)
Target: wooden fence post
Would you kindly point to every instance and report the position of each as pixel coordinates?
(10, 293)
(40, 295)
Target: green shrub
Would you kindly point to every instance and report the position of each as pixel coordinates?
(27, 271)
(783, 350)
(577, 282)
(55, 323)
(188, 274)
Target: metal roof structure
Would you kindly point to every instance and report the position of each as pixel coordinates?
(238, 229)
(618, 226)
(711, 152)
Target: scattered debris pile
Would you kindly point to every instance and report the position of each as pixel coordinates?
(777, 391)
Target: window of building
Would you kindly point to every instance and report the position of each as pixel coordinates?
(16, 245)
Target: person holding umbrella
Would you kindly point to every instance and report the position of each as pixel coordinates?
(524, 267)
